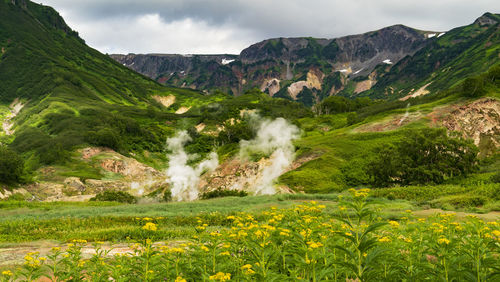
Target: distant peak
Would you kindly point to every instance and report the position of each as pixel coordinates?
(487, 19)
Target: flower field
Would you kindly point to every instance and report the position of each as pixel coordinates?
(300, 243)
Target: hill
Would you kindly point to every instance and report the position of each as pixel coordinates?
(60, 96)
(79, 123)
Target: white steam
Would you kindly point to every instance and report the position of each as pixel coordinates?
(273, 138)
(182, 178)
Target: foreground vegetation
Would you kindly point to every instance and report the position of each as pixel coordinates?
(305, 242)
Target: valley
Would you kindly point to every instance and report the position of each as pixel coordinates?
(360, 158)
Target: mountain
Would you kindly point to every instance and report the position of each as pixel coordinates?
(394, 62)
(283, 66)
(445, 61)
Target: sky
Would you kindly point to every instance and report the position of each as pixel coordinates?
(229, 26)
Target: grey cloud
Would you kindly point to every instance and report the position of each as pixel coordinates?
(252, 21)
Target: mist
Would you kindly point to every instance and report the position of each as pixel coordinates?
(273, 138)
(184, 179)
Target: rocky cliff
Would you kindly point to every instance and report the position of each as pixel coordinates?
(284, 67)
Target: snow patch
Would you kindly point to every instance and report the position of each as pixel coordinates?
(430, 35)
(343, 70)
(226, 61)
(387, 61)
(441, 34)
(356, 72)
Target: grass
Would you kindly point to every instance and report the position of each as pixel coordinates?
(311, 241)
(104, 221)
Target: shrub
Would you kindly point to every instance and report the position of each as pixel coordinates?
(473, 87)
(106, 138)
(167, 195)
(17, 197)
(460, 201)
(423, 156)
(495, 178)
(115, 196)
(219, 192)
(11, 166)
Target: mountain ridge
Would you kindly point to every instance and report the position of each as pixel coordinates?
(279, 58)
(309, 69)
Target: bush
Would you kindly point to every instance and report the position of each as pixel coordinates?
(460, 201)
(423, 156)
(495, 178)
(17, 197)
(473, 87)
(167, 195)
(218, 193)
(115, 196)
(106, 138)
(11, 166)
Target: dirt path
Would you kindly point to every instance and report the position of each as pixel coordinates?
(491, 216)
(7, 124)
(13, 254)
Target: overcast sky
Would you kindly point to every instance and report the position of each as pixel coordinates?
(228, 26)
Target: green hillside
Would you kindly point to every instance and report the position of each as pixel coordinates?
(446, 61)
(75, 97)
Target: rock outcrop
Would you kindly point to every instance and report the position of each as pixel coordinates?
(479, 120)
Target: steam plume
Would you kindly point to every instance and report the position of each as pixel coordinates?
(274, 137)
(182, 178)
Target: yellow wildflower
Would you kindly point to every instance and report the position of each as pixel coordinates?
(384, 239)
(215, 234)
(246, 266)
(394, 223)
(150, 226)
(314, 245)
(177, 250)
(443, 241)
(226, 253)
(180, 279)
(221, 276)
(7, 273)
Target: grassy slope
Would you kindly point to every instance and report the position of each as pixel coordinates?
(73, 94)
(459, 53)
(345, 151)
